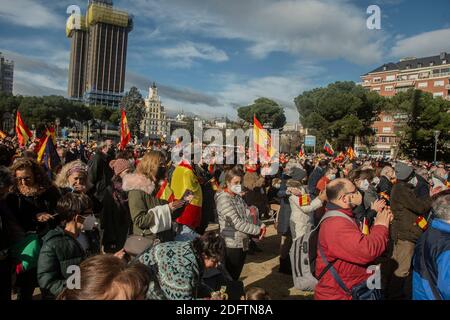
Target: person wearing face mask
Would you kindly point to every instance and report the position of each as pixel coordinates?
(342, 244)
(407, 208)
(235, 226)
(60, 248)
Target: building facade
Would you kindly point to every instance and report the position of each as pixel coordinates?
(6, 75)
(155, 124)
(98, 54)
(429, 74)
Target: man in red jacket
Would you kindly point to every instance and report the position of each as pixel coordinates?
(344, 245)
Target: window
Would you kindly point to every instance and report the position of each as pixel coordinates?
(439, 83)
(389, 88)
(383, 139)
(377, 80)
(386, 130)
(390, 78)
(423, 85)
(413, 77)
(419, 65)
(438, 94)
(375, 129)
(377, 89)
(387, 119)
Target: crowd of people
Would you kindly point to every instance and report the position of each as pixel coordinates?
(137, 225)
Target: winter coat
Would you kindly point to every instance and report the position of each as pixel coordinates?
(141, 201)
(59, 251)
(25, 209)
(115, 220)
(302, 217)
(314, 178)
(178, 268)
(100, 174)
(256, 195)
(385, 185)
(234, 222)
(350, 252)
(284, 215)
(431, 262)
(406, 208)
(422, 189)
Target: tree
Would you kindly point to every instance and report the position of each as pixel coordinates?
(266, 110)
(424, 115)
(134, 105)
(340, 113)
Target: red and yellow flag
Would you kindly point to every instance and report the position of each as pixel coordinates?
(23, 133)
(125, 134)
(165, 193)
(184, 178)
(304, 200)
(2, 135)
(351, 153)
(302, 152)
(422, 223)
(365, 229)
(262, 141)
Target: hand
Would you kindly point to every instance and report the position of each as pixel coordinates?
(44, 217)
(378, 205)
(384, 217)
(120, 254)
(189, 198)
(296, 192)
(176, 205)
(323, 195)
(262, 232)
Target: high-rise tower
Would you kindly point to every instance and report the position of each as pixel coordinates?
(98, 54)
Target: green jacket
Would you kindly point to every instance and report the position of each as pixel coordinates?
(140, 200)
(59, 251)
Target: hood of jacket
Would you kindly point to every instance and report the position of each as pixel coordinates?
(138, 182)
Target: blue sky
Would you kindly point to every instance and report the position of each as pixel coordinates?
(209, 56)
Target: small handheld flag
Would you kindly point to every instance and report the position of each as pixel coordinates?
(422, 223)
(302, 152)
(304, 200)
(351, 153)
(2, 135)
(165, 193)
(365, 229)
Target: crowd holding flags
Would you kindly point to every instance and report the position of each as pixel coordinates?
(125, 134)
(23, 133)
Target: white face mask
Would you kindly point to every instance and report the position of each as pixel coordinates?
(376, 181)
(237, 188)
(364, 185)
(89, 223)
(413, 181)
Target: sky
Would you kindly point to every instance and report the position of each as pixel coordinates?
(208, 57)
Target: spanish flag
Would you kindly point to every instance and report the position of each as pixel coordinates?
(351, 153)
(365, 229)
(328, 148)
(422, 223)
(23, 133)
(302, 152)
(165, 193)
(262, 141)
(47, 155)
(125, 135)
(184, 178)
(304, 200)
(2, 135)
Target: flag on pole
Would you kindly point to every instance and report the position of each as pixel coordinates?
(302, 152)
(328, 148)
(365, 229)
(48, 156)
(351, 153)
(165, 193)
(23, 133)
(2, 135)
(262, 141)
(125, 134)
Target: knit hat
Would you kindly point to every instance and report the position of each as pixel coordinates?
(119, 166)
(403, 171)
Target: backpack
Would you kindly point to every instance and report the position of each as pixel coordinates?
(303, 255)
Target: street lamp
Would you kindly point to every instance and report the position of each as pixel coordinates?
(436, 136)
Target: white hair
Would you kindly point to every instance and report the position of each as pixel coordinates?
(441, 207)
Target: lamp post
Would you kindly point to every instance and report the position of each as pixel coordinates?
(57, 122)
(436, 136)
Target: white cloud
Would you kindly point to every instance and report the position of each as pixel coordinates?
(320, 29)
(29, 13)
(422, 45)
(184, 54)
